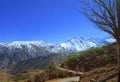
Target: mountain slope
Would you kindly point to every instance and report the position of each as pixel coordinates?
(41, 62)
(13, 55)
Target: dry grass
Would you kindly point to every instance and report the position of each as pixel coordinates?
(21, 77)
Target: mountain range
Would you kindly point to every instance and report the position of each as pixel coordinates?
(41, 54)
(74, 45)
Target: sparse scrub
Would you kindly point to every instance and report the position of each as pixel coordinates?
(52, 73)
(99, 70)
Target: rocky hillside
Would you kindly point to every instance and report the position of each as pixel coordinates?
(14, 55)
(41, 62)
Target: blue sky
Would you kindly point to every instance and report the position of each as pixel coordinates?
(52, 21)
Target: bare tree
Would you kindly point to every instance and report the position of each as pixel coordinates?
(105, 14)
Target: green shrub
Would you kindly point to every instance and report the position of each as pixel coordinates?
(107, 57)
(99, 70)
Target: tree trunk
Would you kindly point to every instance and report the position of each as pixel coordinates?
(118, 53)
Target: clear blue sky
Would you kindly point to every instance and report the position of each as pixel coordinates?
(52, 21)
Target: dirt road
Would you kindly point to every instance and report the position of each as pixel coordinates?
(65, 79)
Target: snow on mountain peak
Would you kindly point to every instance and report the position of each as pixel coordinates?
(18, 44)
(110, 40)
(74, 45)
(77, 44)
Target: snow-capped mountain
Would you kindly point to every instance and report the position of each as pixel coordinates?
(110, 40)
(74, 45)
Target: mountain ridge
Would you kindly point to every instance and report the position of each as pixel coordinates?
(75, 45)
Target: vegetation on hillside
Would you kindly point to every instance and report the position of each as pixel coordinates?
(41, 76)
(92, 58)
